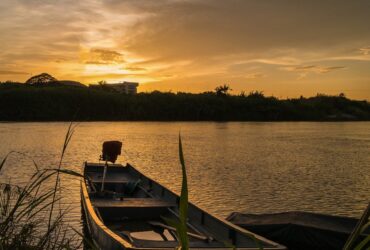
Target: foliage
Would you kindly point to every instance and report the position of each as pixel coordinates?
(23, 211)
(59, 103)
(43, 78)
(222, 90)
(67, 139)
(181, 223)
(360, 230)
(183, 206)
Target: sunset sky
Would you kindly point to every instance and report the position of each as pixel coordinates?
(285, 48)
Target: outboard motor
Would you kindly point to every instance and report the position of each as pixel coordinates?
(111, 150)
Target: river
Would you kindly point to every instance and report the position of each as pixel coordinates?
(248, 167)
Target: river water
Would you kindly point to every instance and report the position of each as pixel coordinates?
(246, 167)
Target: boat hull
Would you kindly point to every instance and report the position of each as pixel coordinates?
(107, 238)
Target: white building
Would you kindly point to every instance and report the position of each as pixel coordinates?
(125, 87)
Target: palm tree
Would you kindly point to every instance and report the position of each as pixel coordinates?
(222, 90)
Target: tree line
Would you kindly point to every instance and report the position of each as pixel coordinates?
(21, 102)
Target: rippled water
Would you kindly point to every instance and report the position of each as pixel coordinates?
(245, 167)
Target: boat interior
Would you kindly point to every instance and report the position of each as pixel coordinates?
(139, 210)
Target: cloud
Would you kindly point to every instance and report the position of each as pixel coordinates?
(192, 44)
(312, 68)
(365, 50)
(102, 57)
(305, 70)
(254, 75)
(203, 28)
(134, 68)
(329, 69)
(11, 72)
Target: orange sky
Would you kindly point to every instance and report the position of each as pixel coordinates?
(285, 48)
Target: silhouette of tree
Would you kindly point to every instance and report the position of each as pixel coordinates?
(256, 94)
(43, 78)
(222, 90)
(21, 102)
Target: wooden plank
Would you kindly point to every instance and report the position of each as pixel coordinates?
(111, 178)
(92, 164)
(132, 202)
(98, 230)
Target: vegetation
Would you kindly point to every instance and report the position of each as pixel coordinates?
(24, 210)
(21, 102)
(181, 223)
(43, 78)
(358, 235)
(222, 90)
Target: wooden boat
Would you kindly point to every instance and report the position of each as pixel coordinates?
(302, 230)
(129, 215)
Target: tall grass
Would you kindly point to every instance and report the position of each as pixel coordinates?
(184, 200)
(362, 225)
(67, 139)
(181, 223)
(24, 210)
(22, 215)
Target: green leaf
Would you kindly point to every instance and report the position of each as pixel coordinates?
(2, 163)
(184, 200)
(88, 242)
(181, 225)
(67, 171)
(362, 243)
(229, 245)
(364, 227)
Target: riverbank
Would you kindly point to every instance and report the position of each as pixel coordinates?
(66, 103)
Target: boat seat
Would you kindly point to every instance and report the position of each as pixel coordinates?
(111, 178)
(132, 203)
(167, 227)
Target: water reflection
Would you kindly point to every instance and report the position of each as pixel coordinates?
(246, 167)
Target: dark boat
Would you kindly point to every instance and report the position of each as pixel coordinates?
(301, 230)
(130, 212)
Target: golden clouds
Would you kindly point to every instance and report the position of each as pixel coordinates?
(304, 70)
(192, 45)
(365, 50)
(101, 57)
(9, 72)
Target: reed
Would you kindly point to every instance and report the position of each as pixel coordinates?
(359, 231)
(67, 139)
(181, 223)
(184, 200)
(22, 216)
(24, 210)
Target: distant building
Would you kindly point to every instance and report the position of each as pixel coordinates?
(124, 87)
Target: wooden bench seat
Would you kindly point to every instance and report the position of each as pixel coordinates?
(111, 178)
(132, 202)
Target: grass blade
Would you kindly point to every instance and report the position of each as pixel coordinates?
(2, 163)
(184, 200)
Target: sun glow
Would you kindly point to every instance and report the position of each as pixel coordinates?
(92, 69)
(186, 46)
